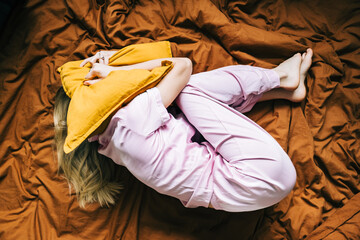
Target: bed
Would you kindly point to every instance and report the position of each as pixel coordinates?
(321, 134)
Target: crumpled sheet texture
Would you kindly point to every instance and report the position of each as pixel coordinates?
(321, 135)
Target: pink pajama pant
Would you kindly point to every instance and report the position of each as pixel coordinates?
(255, 172)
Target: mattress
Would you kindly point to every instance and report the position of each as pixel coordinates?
(321, 134)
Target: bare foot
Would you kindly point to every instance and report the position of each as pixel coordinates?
(289, 72)
(300, 92)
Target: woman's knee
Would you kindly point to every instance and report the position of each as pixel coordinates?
(256, 183)
(279, 172)
(279, 182)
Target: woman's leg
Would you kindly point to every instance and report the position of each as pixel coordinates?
(237, 86)
(255, 172)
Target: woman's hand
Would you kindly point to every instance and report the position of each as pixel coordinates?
(101, 57)
(97, 72)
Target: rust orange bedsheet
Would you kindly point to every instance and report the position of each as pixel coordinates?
(321, 135)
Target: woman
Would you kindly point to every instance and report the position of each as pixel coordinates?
(239, 167)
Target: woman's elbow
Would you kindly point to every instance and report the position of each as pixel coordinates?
(186, 66)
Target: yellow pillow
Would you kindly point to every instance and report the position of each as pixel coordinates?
(91, 105)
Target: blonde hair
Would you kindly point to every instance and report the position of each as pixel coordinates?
(93, 176)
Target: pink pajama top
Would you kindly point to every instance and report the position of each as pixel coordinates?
(157, 149)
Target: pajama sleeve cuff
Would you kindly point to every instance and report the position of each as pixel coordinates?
(154, 94)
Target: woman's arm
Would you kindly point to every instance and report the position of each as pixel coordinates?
(175, 80)
(170, 86)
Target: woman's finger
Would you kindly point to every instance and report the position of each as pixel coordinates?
(101, 57)
(92, 59)
(102, 60)
(83, 63)
(91, 82)
(91, 74)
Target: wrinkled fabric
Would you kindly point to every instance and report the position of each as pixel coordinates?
(320, 135)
